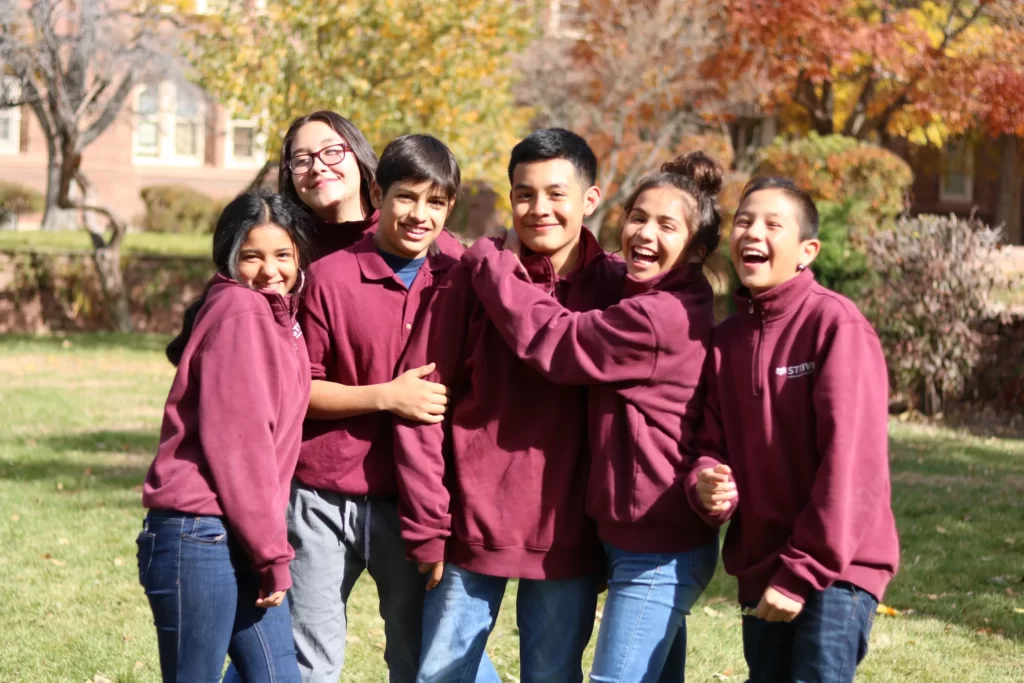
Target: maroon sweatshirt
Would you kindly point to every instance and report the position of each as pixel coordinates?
(797, 406)
(358, 317)
(233, 423)
(643, 358)
(328, 238)
(516, 459)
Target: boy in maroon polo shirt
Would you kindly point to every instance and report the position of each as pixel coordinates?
(513, 451)
(794, 448)
(361, 307)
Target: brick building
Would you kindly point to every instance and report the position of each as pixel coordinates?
(168, 133)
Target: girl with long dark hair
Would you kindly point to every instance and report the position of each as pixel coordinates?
(213, 553)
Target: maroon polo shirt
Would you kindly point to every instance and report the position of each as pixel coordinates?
(357, 318)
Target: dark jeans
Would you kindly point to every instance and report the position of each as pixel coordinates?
(203, 590)
(824, 644)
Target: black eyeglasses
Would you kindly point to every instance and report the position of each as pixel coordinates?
(301, 164)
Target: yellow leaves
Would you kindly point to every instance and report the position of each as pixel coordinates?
(391, 67)
(886, 611)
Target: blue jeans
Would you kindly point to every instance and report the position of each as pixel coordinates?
(555, 621)
(824, 644)
(203, 591)
(643, 631)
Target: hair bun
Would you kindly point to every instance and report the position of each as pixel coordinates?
(704, 171)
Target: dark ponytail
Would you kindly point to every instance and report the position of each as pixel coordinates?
(245, 212)
(700, 177)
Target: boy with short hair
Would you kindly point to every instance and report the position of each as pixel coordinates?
(513, 453)
(794, 448)
(362, 304)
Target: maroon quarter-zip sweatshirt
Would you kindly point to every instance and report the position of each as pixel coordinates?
(328, 238)
(358, 317)
(643, 358)
(516, 459)
(797, 406)
(233, 422)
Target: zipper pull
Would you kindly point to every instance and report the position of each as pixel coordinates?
(751, 309)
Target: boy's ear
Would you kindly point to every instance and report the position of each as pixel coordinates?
(591, 198)
(376, 195)
(809, 250)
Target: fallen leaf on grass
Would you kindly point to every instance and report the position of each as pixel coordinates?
(101, 679)
(60, 486)
(350, 638)
(941, 529)
(711, 612)
(933, 596)
(118, 562)
(1010, 593)
(724, 676)
(127, 637)
(139, 665)
(15, 518)
(376, 632)
(63, 541)
(887, 611)
(50, 558)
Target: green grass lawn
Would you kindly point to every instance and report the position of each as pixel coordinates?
(80, 419)
(137, 243)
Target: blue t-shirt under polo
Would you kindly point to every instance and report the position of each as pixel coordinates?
(405, 268)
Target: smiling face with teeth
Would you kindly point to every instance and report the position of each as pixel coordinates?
(412, 215)
(767, 246)
(332, 192)
(268, 259)
(550, 201)
(656, 231)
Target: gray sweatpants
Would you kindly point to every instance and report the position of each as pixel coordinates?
(335, 538)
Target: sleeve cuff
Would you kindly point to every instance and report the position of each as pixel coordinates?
(790, 585)
(275, 577)
(427, 552)
(690, 488)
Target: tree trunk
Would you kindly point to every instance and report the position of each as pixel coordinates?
(54, 217)
(1008, 205)
(108, 268)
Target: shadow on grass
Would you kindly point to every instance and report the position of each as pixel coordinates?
(82, 341)
(98, 460)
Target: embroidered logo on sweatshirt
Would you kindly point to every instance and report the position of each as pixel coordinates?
(794, 371)
(296, 331)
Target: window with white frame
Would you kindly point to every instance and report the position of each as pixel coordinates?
(10, 120)
(957, 180)
(147, 122)
(244, 145)
(187, 129)
(169, 125)
(565, 16)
